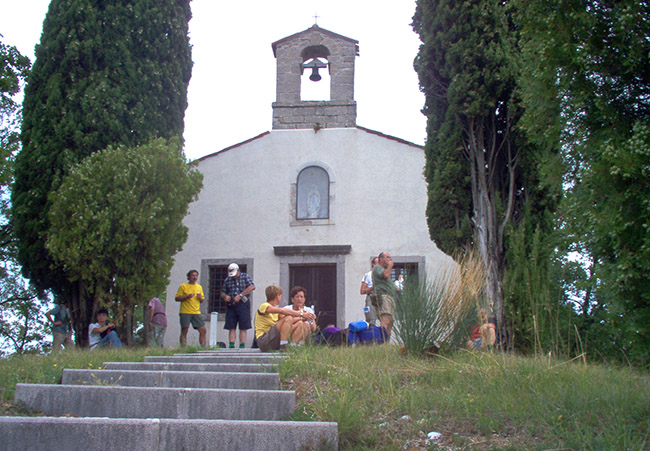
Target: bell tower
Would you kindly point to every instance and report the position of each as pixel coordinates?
(315, 50)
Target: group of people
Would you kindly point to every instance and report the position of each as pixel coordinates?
(275, 327)
(102, 333)
(235, 292)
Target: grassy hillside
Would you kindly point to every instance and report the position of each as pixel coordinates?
(385, 400)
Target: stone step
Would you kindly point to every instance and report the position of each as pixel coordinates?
(198, 358)
(229, 351)
(187, 379)
(146, 402)
(99, 434)
(214, 367)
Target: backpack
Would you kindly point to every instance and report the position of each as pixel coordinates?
(333, 336)
(372, 335)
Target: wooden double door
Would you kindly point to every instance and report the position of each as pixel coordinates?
(320, 282)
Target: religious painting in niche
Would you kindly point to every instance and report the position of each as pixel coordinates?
(312, 194)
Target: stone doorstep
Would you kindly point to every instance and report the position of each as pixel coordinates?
(99, 434)
(193, 358)
(186, 379)
(211, 367)
(146, 402)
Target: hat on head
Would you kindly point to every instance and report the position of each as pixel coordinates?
(232, 269)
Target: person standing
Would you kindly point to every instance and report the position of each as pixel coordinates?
(190, 295)
(61, 327)
(235, 291)
(157, 322)
(384, 288)
(366, 288)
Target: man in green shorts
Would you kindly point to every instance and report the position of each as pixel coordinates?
(190, 295)
(384, 290)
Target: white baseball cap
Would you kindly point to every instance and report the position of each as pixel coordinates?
(232, 269)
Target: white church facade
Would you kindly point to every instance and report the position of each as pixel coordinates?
(310, 202)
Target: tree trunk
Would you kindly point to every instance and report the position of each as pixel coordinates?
(81, 310)
(488, 229)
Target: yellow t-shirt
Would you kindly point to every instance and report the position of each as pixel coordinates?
(264, 321)
(192, 305)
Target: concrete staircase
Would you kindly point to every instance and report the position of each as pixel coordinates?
(226, 399)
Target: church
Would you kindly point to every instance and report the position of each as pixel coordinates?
(310, 202)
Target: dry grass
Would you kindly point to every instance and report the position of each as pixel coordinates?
(434, 313)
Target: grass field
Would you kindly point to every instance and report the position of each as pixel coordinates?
(383, 399)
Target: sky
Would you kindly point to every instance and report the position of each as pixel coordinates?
(233, 77)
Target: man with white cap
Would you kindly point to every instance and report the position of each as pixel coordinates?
(235, 290)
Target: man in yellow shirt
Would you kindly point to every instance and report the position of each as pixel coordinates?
(271, 332)
(190, 295)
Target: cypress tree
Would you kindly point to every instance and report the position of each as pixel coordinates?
(107, 72)
(481, 171)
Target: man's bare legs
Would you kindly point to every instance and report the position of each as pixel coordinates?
(183, 338)
(203, 333)
(386, 320)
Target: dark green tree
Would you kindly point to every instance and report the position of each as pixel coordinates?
(21, 327)
(481, 172)
(586, 87)
(109, 72)
(116, 222)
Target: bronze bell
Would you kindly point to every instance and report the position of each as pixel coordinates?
(315, 76)
(314, 65)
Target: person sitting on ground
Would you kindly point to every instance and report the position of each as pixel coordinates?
(484, 334)
(100, 334)
(271, 332)
(298, 296)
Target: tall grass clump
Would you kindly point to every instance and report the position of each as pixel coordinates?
(431, 314)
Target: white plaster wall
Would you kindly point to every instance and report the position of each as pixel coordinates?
(244, 210)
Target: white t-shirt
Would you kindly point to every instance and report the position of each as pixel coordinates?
(93, 339)
(367, 278)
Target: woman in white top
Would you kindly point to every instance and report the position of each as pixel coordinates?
(298, 296)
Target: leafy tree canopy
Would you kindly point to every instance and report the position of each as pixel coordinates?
(116, 220)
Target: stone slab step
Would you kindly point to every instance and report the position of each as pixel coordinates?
(215, 367)
(146, 402)
(199, 358)
(187, 379)
(229, 351)
(100, 434)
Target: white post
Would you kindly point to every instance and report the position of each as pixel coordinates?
(213, 329)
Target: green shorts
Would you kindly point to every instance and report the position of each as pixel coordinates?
(193, 318)
(385, 305)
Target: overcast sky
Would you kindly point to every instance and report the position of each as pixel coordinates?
(233, 78)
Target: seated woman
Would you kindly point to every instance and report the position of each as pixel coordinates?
(100, 334)
(484, 334)
(271, 331)
(298, 296)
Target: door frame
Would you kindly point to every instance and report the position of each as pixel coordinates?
(304, 257)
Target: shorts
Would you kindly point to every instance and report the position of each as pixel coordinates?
(193, 318)
(270, 340)
(370, 312)
(385, 305)
(477, 343)
(240, 313)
